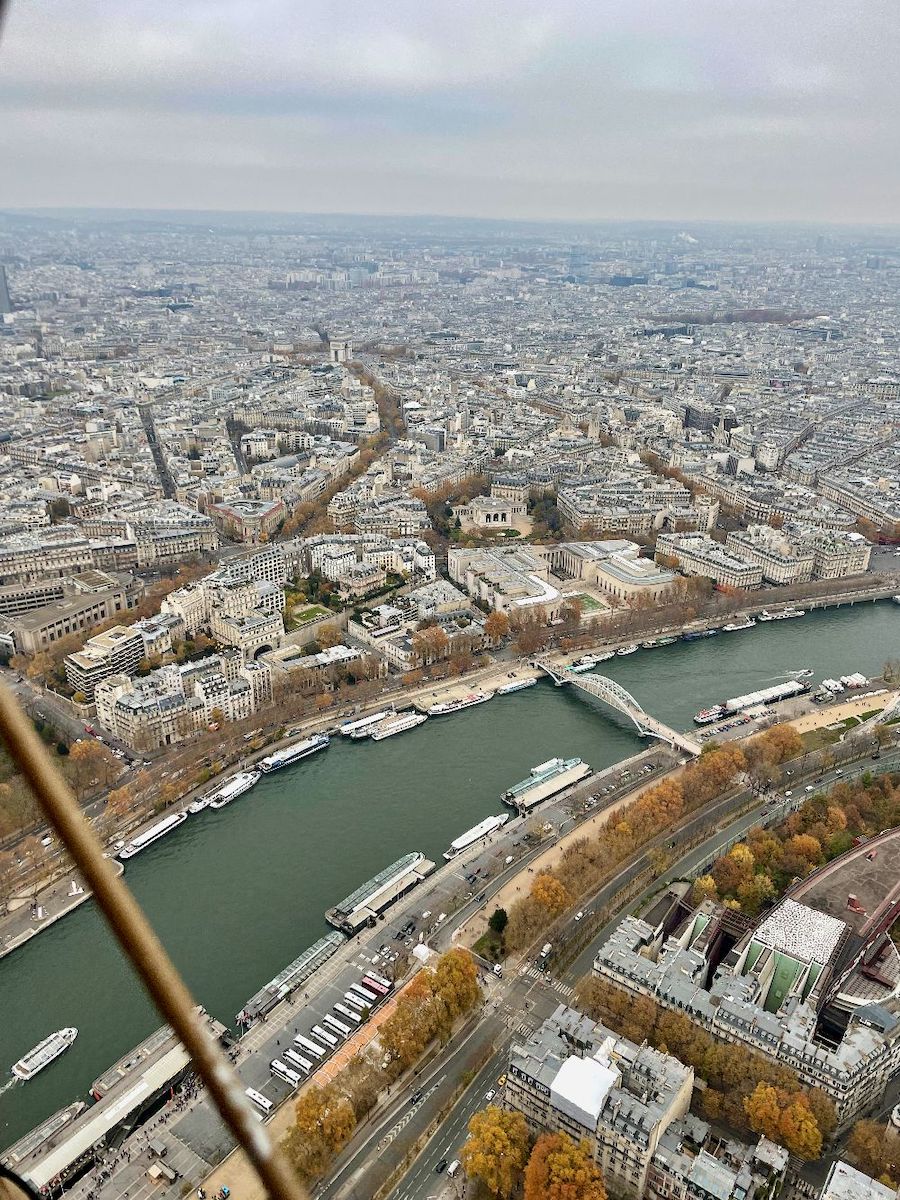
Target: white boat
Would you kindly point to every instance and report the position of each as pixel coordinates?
(233, 788)
(476, 834)
(707, 715)
(292, 754)
(364, 726)
(765, 615)
(578, 668)
(787, 613)
(734, 626)
(197, 806)
(628, 649)
(44, 1053)
(452, 706)
(515, 687)
(160, 829)
(400, 725)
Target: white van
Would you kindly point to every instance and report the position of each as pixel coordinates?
(453, 1168)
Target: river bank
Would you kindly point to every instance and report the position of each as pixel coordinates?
(238, 893)
(487, 678)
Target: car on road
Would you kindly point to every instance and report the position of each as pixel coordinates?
(490, 1094)
(579, 915)
(416, 1096)
(441, 1167)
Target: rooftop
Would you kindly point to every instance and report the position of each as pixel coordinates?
(801, 932)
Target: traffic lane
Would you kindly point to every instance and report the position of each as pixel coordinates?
(400, 1118)
(762, 814)
(523, 995)
(447, 1140)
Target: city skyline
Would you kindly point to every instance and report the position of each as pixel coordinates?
(707, 113)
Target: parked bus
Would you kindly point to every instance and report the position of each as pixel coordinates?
(356, 1001)
(296, 1060)
(277, 1067)
(380, 979)
(314, 1048)
(324, 1035)
(364, 993)
(334, 1023)
(348, 1013)
(374, 986)
(259, 1100)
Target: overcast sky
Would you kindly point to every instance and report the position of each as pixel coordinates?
(760, 109)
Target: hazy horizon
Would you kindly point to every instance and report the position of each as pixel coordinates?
(695, 111)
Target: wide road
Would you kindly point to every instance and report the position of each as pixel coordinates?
(533, 996)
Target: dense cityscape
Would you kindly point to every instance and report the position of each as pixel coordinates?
(273, 487)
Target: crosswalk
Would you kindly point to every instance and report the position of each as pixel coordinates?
(564, 989)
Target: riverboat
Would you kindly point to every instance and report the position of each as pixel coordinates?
(292, 754)
(43, 1054)
(452, 706)
(142, 840)
(233, 788)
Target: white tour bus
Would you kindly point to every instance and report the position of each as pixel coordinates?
(314, 1048)
(259, 1100)
(324, 1036)
(364, 993)
(277, 1067)
(338, 1026)
(348, 1013)
(297, 1061)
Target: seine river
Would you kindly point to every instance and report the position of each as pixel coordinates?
(237, 894)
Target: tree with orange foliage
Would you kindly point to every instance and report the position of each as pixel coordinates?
(550, 893)
(496, 626)
(558, 1169)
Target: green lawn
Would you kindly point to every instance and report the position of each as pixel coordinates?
(873, 712)
(310, 613)
(489, 946)
(815, 739)
(588, 603)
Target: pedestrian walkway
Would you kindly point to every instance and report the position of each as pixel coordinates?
(30, 914)
(564, 989)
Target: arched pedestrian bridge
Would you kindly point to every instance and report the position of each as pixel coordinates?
(613, 694)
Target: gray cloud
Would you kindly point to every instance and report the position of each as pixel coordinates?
(627, 108)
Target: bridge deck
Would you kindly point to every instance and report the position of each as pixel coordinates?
(613, 694)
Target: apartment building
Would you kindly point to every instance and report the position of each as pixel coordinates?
(694, 1162)
(837, 552)
(798, 553)
(699, 554)
(166, 706)
(113, 652)
(782, 559)
(846, 1183)
(574, 1076)
(769, 992)
(57, 552)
